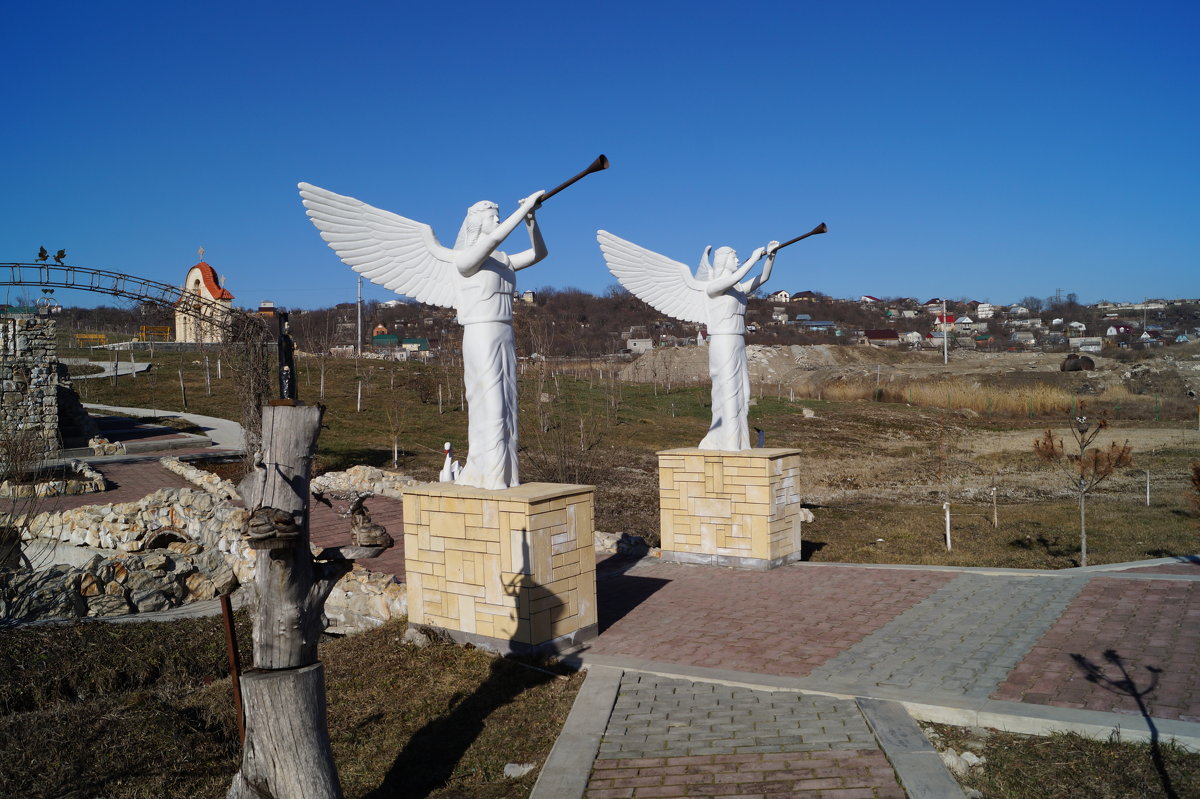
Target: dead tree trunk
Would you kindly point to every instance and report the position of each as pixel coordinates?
(287, 753)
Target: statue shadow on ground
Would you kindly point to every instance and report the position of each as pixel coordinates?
(1115, 677)
(810, 548)
(618, 592)
(428, 761)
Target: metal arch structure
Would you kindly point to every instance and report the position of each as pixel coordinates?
(115, 284)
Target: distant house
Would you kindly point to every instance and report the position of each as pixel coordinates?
(805, 296)
(1182, 338)
(966, 324)
(811, 326)
(985, 311)
(385, 341)
(528, 297)
(881, 338)
(1087, 343)
(803, 317)
(1018, 310)
(639, 345)
(779, 315)
(1023, 338)
(415, 344)
(779, 296)
(1076, 328)
(912, 337)
(867, 299)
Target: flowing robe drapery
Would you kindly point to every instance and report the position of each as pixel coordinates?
(490, 373)
(729, 372)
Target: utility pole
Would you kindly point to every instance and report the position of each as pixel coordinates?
(945, 336)
(358, 341)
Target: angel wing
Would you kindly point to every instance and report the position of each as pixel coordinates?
(704, 272)
(391, 250)
(655, 279)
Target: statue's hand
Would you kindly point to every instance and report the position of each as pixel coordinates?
(772, 247)
(529, 205)
(758, 253)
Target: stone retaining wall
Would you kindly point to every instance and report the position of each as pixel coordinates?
(164, 550)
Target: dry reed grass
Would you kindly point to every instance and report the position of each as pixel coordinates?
(1036, 400)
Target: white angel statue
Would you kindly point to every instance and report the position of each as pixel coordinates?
(474, 279)
(716, 297)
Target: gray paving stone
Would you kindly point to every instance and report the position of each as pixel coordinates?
(962, 639)
(674, 717)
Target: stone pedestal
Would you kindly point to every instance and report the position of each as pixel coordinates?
(737, 509)
(512, 571)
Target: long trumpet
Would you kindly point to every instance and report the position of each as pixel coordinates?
(821, 228)
(598, 165)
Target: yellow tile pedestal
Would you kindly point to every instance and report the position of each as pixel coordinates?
(513, 570)
(723, 508)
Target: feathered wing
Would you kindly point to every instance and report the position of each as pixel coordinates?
(391, 250)
(662, 283)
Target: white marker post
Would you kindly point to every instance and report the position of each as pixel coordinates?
(946, 507)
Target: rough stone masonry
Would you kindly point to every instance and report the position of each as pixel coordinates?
(29, 380)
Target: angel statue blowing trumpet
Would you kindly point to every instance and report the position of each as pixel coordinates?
(716, 297)
(472, 277)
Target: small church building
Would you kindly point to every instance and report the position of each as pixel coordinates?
(212, 322)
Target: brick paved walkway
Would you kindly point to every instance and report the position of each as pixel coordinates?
(677, 738)
(1151, 627)
(943, 634)
(786, 621)
(962, 639)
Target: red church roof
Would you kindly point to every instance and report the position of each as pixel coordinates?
(212, 282)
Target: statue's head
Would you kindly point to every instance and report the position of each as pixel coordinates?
(725, 260)
(482, 217)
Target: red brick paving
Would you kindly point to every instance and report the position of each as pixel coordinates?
(827, 774)
(786, 621)
(1147, 624)
(327, 529)
(129, 481)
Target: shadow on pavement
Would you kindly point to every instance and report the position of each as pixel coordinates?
(1126, 685)
(617, 592)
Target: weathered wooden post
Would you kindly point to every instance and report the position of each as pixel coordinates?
(286, 753)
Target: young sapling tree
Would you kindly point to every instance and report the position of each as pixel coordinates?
(1087, 467)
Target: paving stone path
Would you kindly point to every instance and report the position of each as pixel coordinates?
(675, 738)
(962, 639)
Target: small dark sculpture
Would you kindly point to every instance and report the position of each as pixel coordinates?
(267, 523)
(287, 361)
(59, 256)
(42, 255)
(1077, 363)
(364, 532)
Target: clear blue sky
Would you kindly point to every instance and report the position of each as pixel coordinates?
(960, 149)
